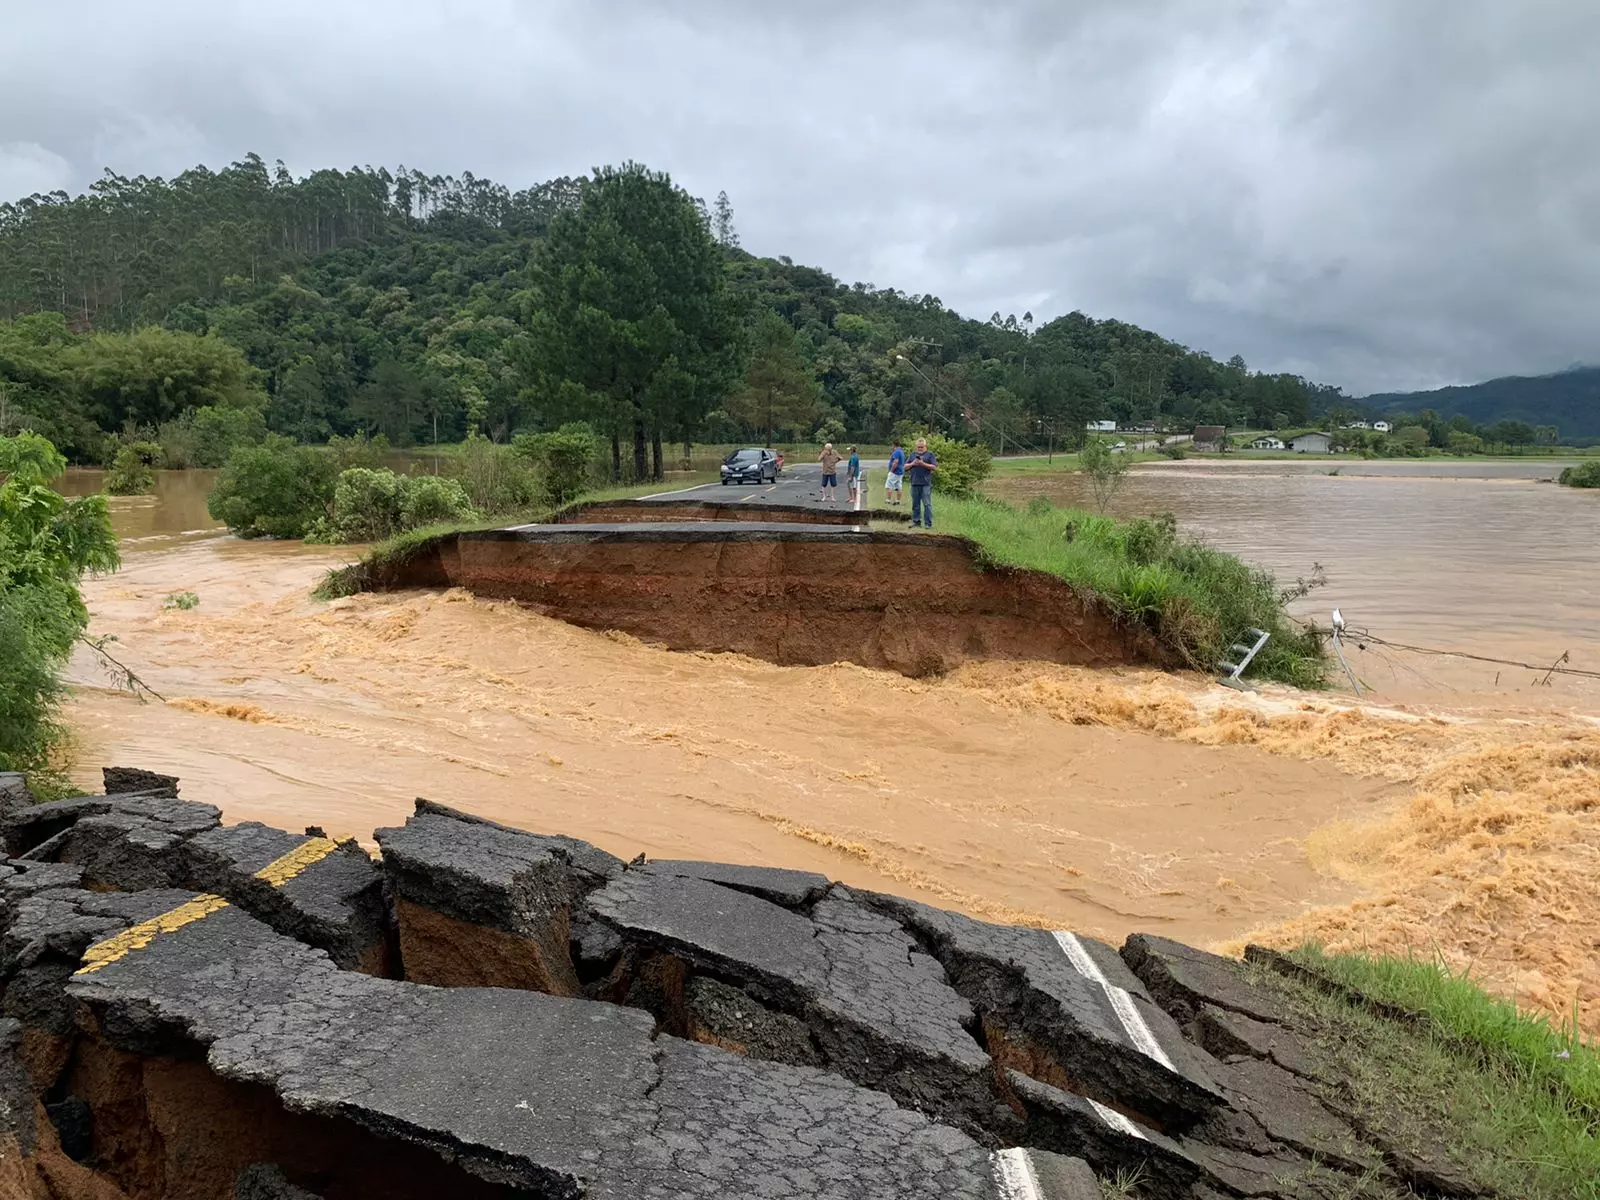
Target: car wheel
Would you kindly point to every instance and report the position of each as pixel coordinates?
(724, 483)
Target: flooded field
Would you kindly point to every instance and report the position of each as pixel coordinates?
(1460, 815)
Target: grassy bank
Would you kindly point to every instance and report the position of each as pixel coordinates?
(348, 580)
(1462, 1075)
(1199, 601)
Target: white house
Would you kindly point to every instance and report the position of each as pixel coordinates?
(1311, 443)
(1267, 443)
(1101, 427)
(1383, 427)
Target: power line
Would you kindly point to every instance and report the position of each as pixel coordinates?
(1360, 637)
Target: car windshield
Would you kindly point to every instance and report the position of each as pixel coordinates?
(745, 456)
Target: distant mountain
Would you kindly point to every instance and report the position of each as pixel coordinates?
(1569, 400)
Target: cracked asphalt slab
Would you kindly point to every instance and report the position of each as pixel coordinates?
(555, 1096)
(558, 1023)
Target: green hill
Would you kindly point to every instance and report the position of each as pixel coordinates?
(1568, 400)
(396, 302)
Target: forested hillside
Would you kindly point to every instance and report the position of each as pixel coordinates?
(414, 305)
(1569, 401)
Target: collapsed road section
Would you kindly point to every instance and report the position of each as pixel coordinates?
(202, 1011)
(790, 593)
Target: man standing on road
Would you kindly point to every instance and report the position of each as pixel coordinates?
(829, 458)
(897, 468)
(852, 474)
(921, 467)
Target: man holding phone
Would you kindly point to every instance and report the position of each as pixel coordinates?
(920, 468)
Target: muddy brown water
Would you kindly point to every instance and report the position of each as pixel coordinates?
(1450, 814)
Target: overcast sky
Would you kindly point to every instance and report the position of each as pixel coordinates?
(1381, 194)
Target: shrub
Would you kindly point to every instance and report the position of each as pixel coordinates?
(204, 437)
(1106, 468)
(47, 544)
(496, 478)
(429, 499)
(565, 459)
(962, 466)
(371, 505)
(181, 601)
(276, 489)
(130, 473)
(1584, 475)
(1175, 450)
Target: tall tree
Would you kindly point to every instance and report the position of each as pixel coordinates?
(780, 389)
(631, 326)
(722, 222)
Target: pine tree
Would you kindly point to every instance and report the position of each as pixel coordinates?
(722, 223)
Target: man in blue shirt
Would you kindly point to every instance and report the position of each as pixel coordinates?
(897, 469)
(921, 466)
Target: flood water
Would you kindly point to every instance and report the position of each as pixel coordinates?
(1459, 813)
(1490, 558)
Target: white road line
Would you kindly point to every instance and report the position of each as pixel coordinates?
(1138, 1030)
(1117, 1120)
(1013, 1171)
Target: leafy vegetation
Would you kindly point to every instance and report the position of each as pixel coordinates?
(130, 473)
(372, 504)
(1196, 599)
(47, 544)
(426, 308)
(276, 489)
(1585, 475)
(181, 602)
(1106, 468)
(962, 466)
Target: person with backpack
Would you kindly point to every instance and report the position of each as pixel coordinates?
(897, 470)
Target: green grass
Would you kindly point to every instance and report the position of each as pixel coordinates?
(1472, 1080)
(353, 578)
(1197, 600)
(1527, 1045)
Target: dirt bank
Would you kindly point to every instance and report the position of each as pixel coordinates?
(639, 511)
(919, 605)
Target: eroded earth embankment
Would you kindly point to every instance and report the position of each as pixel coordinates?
(195, 1010)
(790, 594)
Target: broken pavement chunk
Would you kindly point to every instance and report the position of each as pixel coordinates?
(1064, 1010)
(792, 889)
(1184, 979)
(553, 1096)
(484, 905)
(120, 780)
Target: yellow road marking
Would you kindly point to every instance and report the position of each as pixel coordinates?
(277, 873)
(280, 870)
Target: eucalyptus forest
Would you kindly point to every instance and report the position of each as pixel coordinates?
(429, 308)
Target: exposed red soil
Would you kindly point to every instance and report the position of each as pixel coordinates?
(444, 952)
(919, 605)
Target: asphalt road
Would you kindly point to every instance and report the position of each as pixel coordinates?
(799, 484)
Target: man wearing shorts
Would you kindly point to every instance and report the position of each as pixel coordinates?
(829, 458)
(897, 470)
(852, 474)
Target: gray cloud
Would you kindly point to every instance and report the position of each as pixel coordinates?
(1376, 194)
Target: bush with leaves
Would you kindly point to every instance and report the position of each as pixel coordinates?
(47, 544)
(962, 466)
(565, 458)
(371, 505)
(1584, 475)
(276, 489)
(130, 473)
(497, 479)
